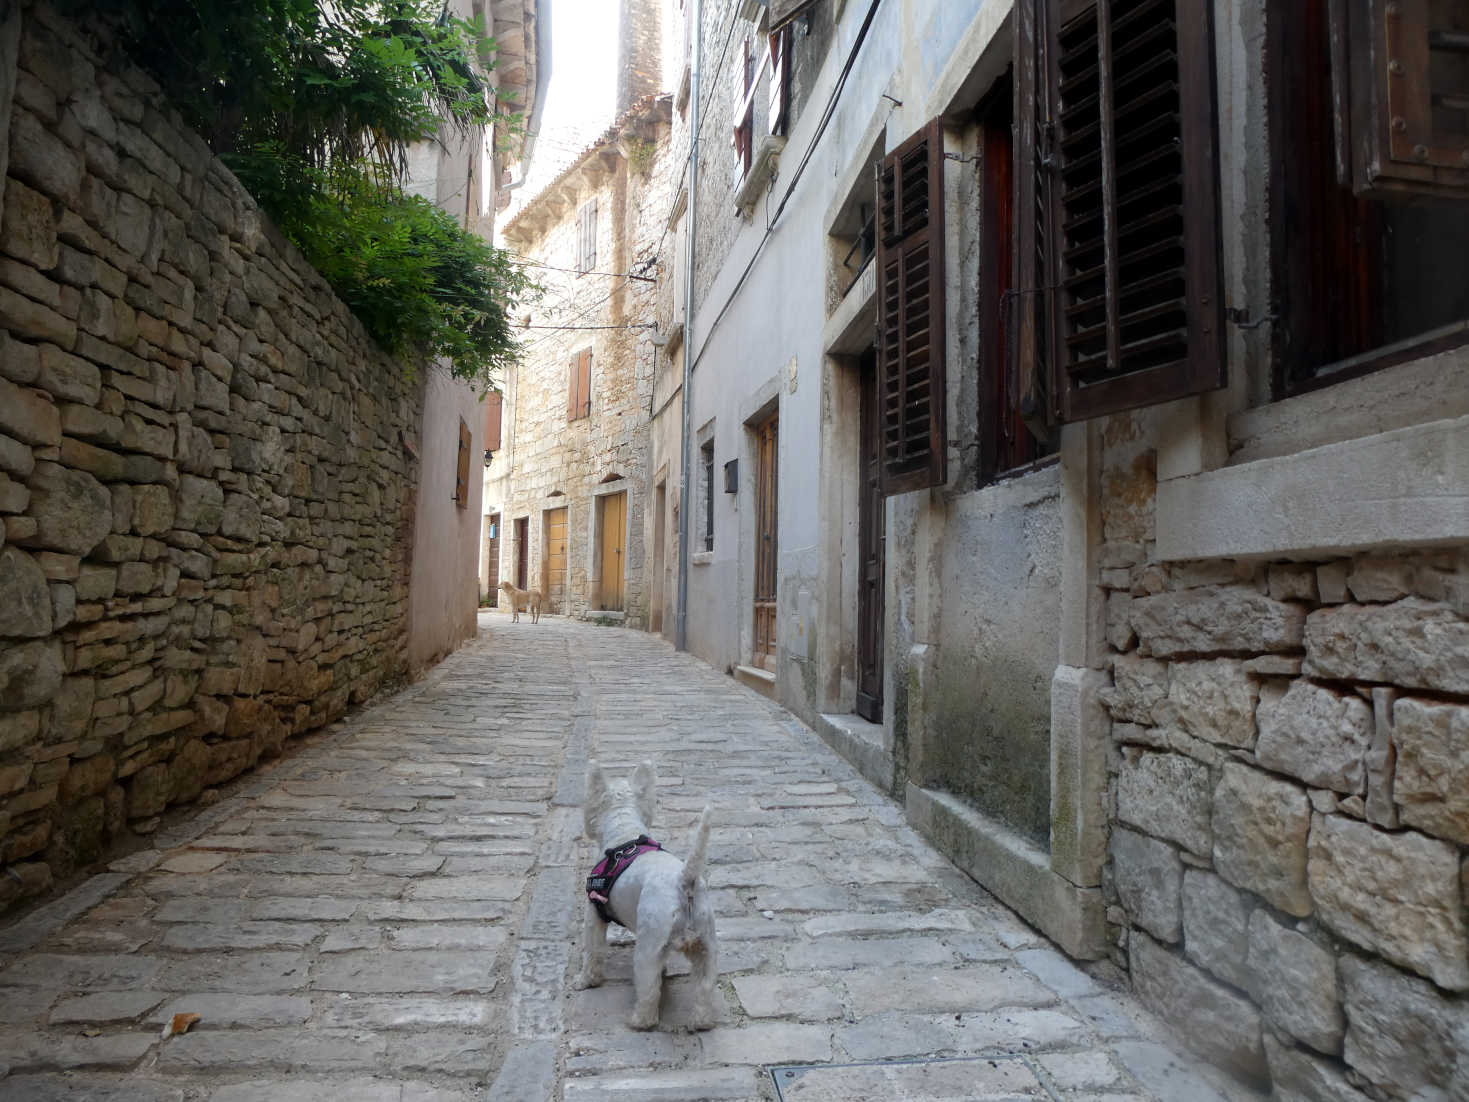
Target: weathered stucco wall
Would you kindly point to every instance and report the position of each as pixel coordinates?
(208, 472)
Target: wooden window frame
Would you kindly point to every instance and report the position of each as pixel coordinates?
(461, 472)
(1076, 388)
(912, 304)
(1387, 143)
(586, 236)
(494, 421)
(743, 138)
(706, 474)
(1328, 221)
(778, 58)
(579, 387)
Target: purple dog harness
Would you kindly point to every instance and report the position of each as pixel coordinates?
(617, 861)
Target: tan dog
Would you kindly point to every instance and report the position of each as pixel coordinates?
(520, 600)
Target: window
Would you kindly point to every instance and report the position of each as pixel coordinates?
(1364, 225)
(779, 60)
(461, 475)
(586, 236)
(744, 126)
(579, 386)
(1118, 277)
(706, 488)
(494, 415)
(776, 58)
(910, 303)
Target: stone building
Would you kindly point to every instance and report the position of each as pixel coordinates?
(225, 514)
(1076, 440)
(572, 483)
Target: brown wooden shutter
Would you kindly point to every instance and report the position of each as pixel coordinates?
(1026, 312)
(461, 478)
(784, 11)
(1401, 72)
(780, 81)
(494, 413)
(911, 319)
(1127, 243)
(584, 383)
(573, 395)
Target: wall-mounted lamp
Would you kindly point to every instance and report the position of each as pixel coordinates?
(489, 455)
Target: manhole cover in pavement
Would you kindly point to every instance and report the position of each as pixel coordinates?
(956, 1080)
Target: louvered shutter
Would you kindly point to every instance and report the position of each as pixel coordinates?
(584, 384)
(1128, 190)
(1026, 312)
(784, 11)
(494, 412)
(1401, 79)
(573, 395)
(461, 477)
(780, 81)
(910, 294)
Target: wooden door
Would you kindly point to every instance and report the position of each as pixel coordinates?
(613, 508)
(555, 568)
(492, 555)
(660, 523)
(766, 544)
(522, 551)
(871, 537)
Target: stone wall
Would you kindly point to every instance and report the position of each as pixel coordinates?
(1291, 786)
(207, 472)
(552, 462)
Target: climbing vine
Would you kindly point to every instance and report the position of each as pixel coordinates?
(314, 105)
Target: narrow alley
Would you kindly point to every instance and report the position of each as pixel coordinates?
(393, 909)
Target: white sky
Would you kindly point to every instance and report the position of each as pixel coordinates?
(582, 93)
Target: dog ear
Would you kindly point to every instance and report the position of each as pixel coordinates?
(596, 798)
(645, 788)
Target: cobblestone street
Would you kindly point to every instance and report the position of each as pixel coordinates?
(392, 911)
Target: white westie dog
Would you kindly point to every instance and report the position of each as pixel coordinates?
(663, 900)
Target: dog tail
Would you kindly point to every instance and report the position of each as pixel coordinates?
(693, 868)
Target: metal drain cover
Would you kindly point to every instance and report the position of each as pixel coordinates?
(968, 1079)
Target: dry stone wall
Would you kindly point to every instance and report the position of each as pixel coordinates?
(206, 471)
(1289, 777)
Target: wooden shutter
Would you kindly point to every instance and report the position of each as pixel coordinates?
(586, 236)
(784, 11)
(1126, 241)
(494, 413)
(573, 382)
(461, 477)
(584, 383)
(910, 295)
(1401, 83)
(779, 58)
(1027, 311)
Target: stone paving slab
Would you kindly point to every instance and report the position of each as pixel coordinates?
(392, 911)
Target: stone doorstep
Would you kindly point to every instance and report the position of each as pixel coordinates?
(1016, 872)
(762, 681)
(860, 743)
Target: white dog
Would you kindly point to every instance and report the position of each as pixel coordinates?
(637, 885)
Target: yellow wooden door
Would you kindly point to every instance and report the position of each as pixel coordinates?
(614, 521)
(556, 560)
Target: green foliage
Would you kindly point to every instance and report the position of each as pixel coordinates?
(313, 104)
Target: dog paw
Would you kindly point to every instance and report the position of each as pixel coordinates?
(701, 1020)
(584, 981)
(643, 1022)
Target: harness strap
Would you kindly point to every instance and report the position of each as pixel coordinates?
(617, 861)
